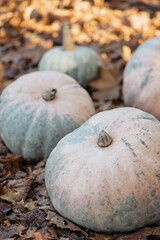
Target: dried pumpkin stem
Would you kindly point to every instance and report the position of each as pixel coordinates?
(104, 139)
(49, 94)
(68, 43)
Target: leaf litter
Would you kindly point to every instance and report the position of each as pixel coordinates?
(113, 29)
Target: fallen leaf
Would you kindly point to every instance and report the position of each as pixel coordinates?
(52, 232)
(28, 29)
(5, 207)
(21, 186)
(35, 218)
(20, 174)
(105, 82)
(103, 237)
(55, 219)
(8, 196)
(64, 238)
(7, 223)
(110, 94)
(11, 56)
(32, 235)
(7, 232)
(13, 158)
(38, 174)
(10, 165)
(30, 206)
(116, 68)
(142, 234)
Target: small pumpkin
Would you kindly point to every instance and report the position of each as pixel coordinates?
(40, 108)
(105, 175)
(79, 62)
(141, 78)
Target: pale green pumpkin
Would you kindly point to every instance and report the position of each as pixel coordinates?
(141, 83)
(81, 63)
(105, 175)
(40, 108)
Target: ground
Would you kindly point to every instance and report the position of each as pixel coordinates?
(114, 29)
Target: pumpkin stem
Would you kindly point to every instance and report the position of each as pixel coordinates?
(104, 139)
(49, 94)
(68, 43)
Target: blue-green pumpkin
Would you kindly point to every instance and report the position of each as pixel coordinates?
(105, 175)
(40, 108)
(81, 63)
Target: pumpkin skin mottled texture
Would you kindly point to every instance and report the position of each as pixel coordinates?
(141, 78)
(113, 188)
(31, 125)
(82, 64)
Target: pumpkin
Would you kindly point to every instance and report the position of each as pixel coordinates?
(40, 108)
(79, 62)
(141, 78)
(105, 175)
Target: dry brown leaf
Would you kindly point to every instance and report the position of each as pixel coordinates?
(64, 238)
(9, 232)
(32, 235)
(8, 196)
(36, 218)
(12, 55)
(17, 190)
(20, 174)
(106, 87)
(52, 232)
(38, 172)
(103, 237)
(21, 186)
(14, 159)
(24, 36)
(116, 68)
(30, 206)
(142, 234)
(110, 94)
(105, 82)
(55, 219)
(10, 165)
(5, 207)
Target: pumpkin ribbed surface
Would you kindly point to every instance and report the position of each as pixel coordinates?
(31, 125)
(81, 64)
(141, 78)
(113, 188)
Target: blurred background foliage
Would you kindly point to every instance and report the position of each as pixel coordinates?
(28, 28)
(112, 28)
